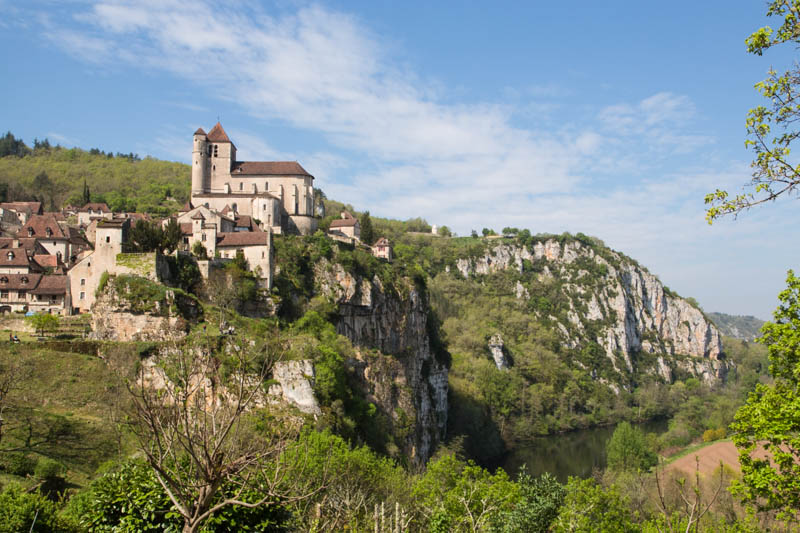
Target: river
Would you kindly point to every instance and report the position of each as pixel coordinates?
(576, 453)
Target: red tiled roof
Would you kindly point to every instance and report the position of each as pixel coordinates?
(344, 222)
(199, 131)
(17, 257)
(34, 207)
(46, 260)
(383, 241)
(30, 244)
(268, 168)
(246, 221)
(186, 228)
(95, 206)
(52, 284)
(218, 135)
(40, 224)
(242, 238)
(16, 281)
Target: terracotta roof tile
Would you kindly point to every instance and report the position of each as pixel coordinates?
(17, 257)
(383, 241)
(268, 168)
(200, 131)
(242, 238)
(344, 222)
(19, 281)
(40, 224)
(34, 208)
(52, 284)
(95, 206)
(218, 135)
(31, 245)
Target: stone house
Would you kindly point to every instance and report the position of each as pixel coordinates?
(34, 292)
(382, 249)
(346, 226)
(21, 211)
(93, 210)
(279, 194)
(49, 233)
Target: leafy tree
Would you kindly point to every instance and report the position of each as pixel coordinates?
(627, 450)
(771, 129)
(588, 507)
(199, 250)
(444, 231)
(44, 322)
(770, 419)
(540, 500)
(171, 235)
(367, 233)
(21, 510)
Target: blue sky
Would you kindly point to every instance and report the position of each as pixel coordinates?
(609, 118)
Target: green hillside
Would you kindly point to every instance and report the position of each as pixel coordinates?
(56, 176)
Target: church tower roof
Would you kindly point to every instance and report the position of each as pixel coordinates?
(218, 135)
(199, 131)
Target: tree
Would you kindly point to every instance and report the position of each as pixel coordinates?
(87, 197)
(44, 322)
(146, 236)
(770, 419)
(540, 500)
(171, 235)
(205, 435)
(627, 450)
(367, 233)
(588, 508)
(771, 129)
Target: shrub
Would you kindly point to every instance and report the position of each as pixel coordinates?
(17, 464)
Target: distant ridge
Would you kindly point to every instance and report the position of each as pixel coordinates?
(747, 328)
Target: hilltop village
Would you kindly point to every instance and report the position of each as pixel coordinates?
(53, 262)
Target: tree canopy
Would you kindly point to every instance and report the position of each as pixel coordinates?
(771, 128)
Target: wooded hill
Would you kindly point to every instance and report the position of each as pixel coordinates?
(56, 176)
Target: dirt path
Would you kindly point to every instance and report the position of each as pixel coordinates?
(709, 456)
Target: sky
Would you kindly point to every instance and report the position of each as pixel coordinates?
(609, 118)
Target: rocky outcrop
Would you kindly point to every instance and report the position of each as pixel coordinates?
(295, 385)
(405, 380)
(118, 316)
(496, 349)
(627, 308)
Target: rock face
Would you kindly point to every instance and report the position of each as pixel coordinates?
(406, 380)
(626, 307)
(496, 349)
(295, 385)
(117, 318)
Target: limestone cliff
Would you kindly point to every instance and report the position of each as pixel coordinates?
(129, 308)
(404, 378)
(612, 301)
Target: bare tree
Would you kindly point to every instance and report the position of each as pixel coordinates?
(196, 413)
(692, 507)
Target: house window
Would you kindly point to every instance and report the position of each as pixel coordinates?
(83, 282)
(30, 232)
(108, 238)
(83, 295)
(54, 298)
(216, 153)
(241, 186)
(4, 294)
(204, 237)
(10, 256)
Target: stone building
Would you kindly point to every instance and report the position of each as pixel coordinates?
(93, 210)
(382, 249)
(279, 194)
(346, 226)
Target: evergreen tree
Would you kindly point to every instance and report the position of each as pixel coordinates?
(87, 197)
(367, 233)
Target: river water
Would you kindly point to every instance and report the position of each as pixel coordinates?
(576, 453)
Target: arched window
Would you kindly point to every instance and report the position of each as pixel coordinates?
(241, 185)
(266, 186)
(108, 238)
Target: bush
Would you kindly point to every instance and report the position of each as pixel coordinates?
(17, 464)
(48, 469)
(23, 511)
(711, 435)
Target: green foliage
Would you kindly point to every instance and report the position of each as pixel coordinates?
(627, 450)
(464, 496)
(588, 508)
(770, 129)
(367, 232)
(21, 511)
(199, 250)
(124, 181)
(44, 322)
(101, 285)
(48, 469)
(540, 500)
(771, 417)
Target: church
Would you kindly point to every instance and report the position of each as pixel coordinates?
(279, 195)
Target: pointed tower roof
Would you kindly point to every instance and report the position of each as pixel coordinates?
(218, 135)
(200, 131)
